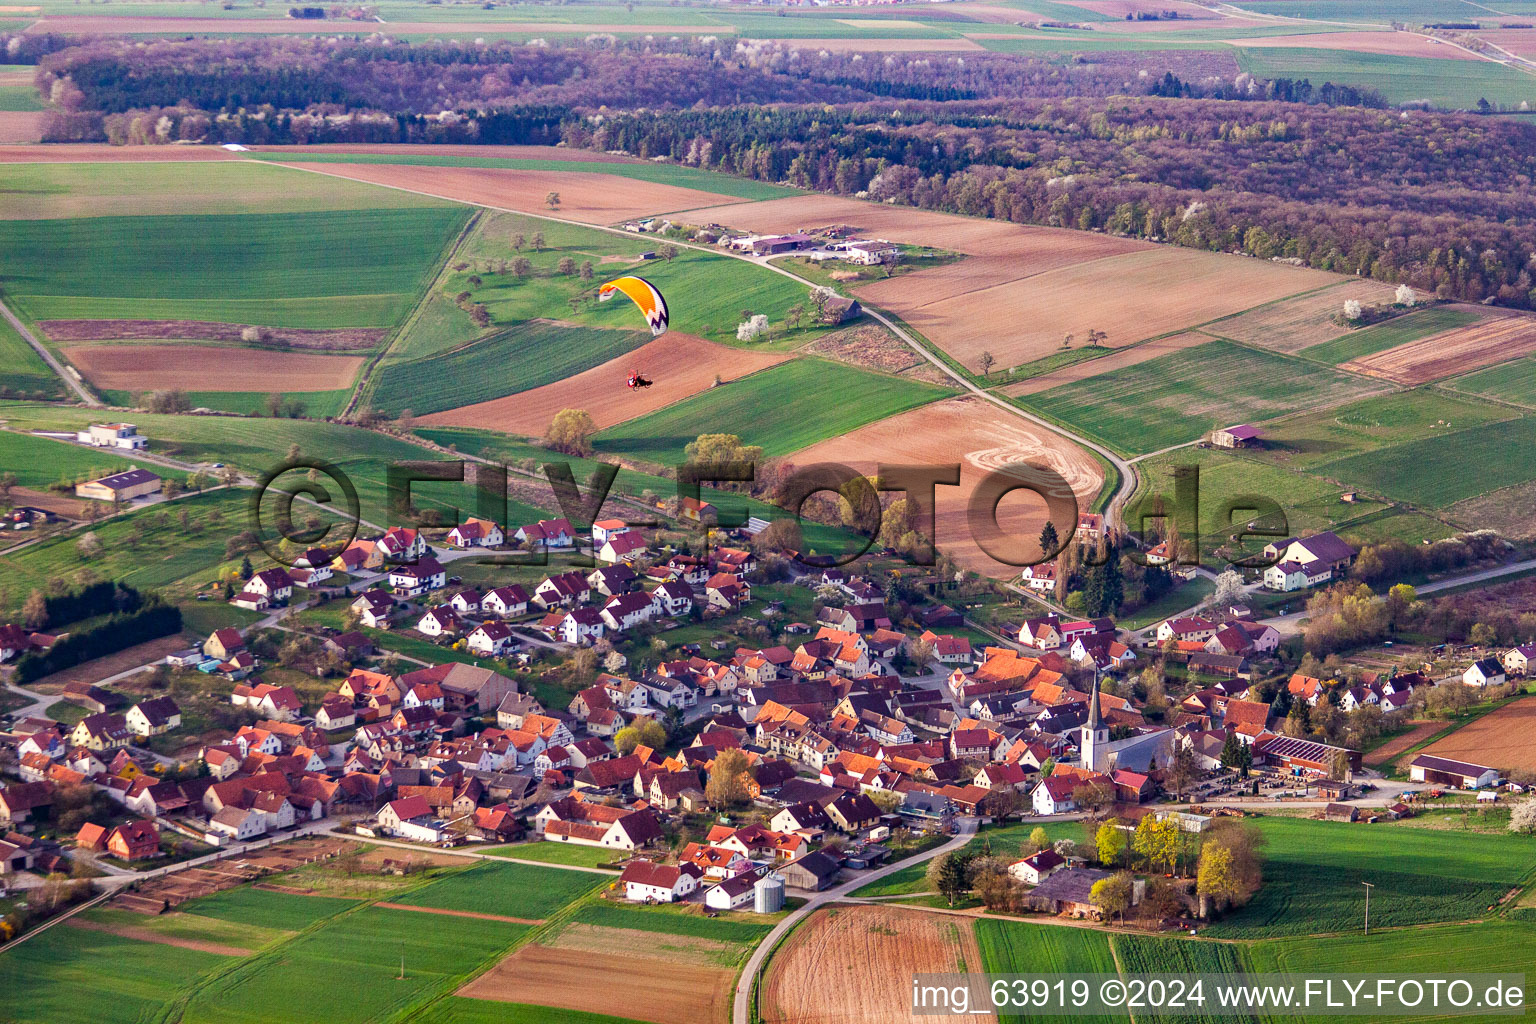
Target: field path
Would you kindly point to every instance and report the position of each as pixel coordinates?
(74, 385)
(1126, 472)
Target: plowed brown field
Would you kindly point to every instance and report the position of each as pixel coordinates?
(855, 963)
(1501, 739)
(1495, 340)
(20, 126)
(652, 989)
(678, 364)
(211, 368)
(1393, 44)
(981, 438)
(589, 197)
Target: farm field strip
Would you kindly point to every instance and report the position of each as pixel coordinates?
(1118, 359)
(189, 366)
(1432, 471)
(1292, 324)
(1493, 340)
(1368, 341)
(1514, 382)
(1501, 738)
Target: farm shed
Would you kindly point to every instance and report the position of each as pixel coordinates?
(1445, 772)
(1304, 757)
(813, 872)
(125, 486)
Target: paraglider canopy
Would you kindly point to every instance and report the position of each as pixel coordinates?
(643, 294)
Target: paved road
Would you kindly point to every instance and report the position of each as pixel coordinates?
(58, 368)
(741, 1006)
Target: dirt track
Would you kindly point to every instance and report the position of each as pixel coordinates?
(856, 964)
(150, 935)
(97, 669)
(679, 365)
(589, 197)
(655, 990)
(1501, 739)
(981, 439)
(211, 368)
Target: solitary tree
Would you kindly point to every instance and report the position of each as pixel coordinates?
(538, 241)
(586, 270)
(1039, 839)
(552, 200)
(727, 785)
(668, 252)
(518, 241)
(986, 361)
(1048, 538)
(947, 874)
(571, 432)
(522, 265)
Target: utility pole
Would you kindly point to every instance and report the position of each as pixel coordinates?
(1368, 887)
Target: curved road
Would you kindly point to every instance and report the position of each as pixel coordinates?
(741, 1006)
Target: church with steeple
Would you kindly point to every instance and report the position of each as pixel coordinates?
(1093, 745)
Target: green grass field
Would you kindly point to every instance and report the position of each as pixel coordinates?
(1451, 84)
(73, 190)
(664, 174)
(1389, 334)
(19, 98)
(39, 462)
(1441, 470)
(178, 924)
(351, 966)
(517, 359)
(26, 375)
(59, 976)
(512, 890)
(1508, 382)
(272, 909)
(1180, 396)
(1313, 872)
(556, 853)
(1009, 947)
(355, 268)
(462, 1010)
(672, 920)
(317, 404)
(783, 408)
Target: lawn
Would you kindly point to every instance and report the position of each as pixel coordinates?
(273, 909)
(1389, 334)
(1180, 396)
(1176, 600)
(26, 375)
(1314, 869)
(662, 173)
(40, 462)
(706, 291)
(557, 853)
(519, 358)
(512, 890)
(1009, 947)
(783, 408)
(1439, 471)
(59, 975)
(355, 268)
(352, 966)
(1508, 382)
(671, 920)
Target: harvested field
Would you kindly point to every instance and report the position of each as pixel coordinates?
(877, 950)
(100, 668)
(58, 504)
(981, 438)
(679, 364)
(577, 980)
(1129, 297)
(1501, 739)
(686, 949)
(1506, 510)
(101, 152)
(460, 913)
(1392, 44)
(1498, 338)
(318, 340)
(1520, 41)
(150, 935)
(139, 367)
(388, 855)
(21, 126)
(106, 24)
(1121, 8)
(1104, 364)
(1296, 323)
(864, 44)
(997, 251)
(1420, 732)
(870, 346)
(455, 150)
(592, 198)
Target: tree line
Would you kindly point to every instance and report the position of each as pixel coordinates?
(152, 620)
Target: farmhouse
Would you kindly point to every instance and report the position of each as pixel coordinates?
(1037, 868)
(1070, 892)
(153, 717)
(1517, 661)
(1326, 548)
(1443, 771)
(1484, 672)
(645, 882)
(125, 486)
(813, 872)
(113, 435)
(733, 893)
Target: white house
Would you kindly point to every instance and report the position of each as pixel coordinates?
(1189, 628)
(273, 584)
(604, 529)
(439, 622)
(1054, 795)
(476, 533)
(1484, 672)
(674, 598)
(621, 547)
(418, 577)
(505, 602)
(236, 823)
(645, 882)
(374, 608)
(582, 626)
(113, 435)
(1039, 577)
(490, 638)
(1517, 661)
(1290, 575)
(733, 893)
(628, 610)
(547, 533)
(1037, 868)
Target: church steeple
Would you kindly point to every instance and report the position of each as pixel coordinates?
(1095, 738)
(1093, 707)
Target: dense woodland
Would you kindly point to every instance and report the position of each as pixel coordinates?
(1319, 175)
